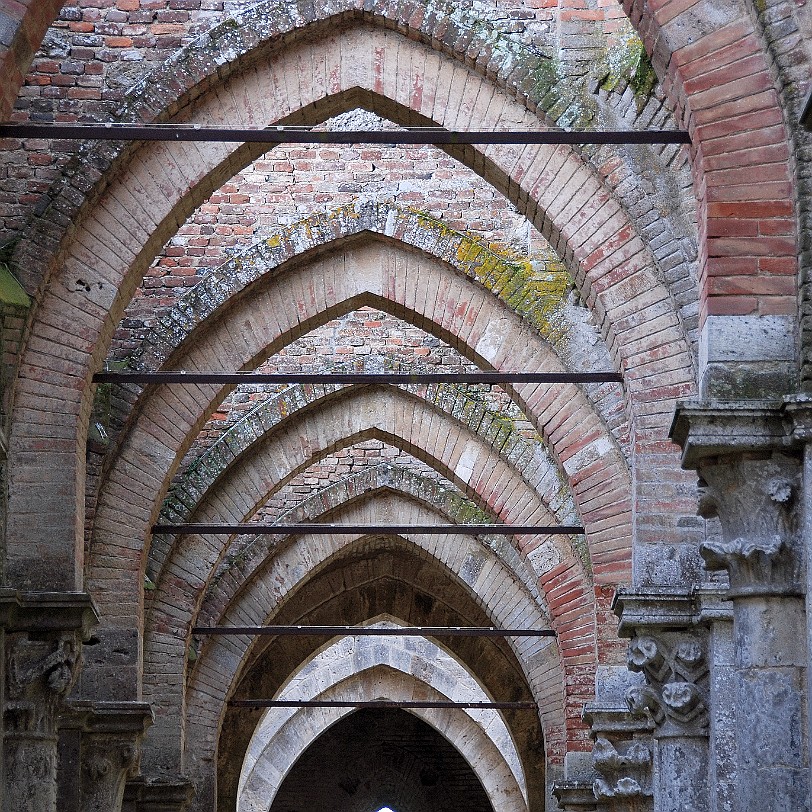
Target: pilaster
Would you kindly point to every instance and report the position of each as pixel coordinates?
(669, 631)
(110, 735)
(749, 458)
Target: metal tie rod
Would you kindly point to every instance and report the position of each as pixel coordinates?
(304, 135)
(330, 529)
(356, 377)
(377, 703)
(374, 631)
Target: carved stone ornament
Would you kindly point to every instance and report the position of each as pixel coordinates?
(754, 501)
(677, 674)
(107, 763)
(623, 769)
(39, 675)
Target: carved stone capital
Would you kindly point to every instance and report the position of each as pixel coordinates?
(669, 647)
(39, 674)
(111, 734)
(622, 757)
(624, 770)
(43, 636)
(754, 498)
(748, 459)
(676, 672)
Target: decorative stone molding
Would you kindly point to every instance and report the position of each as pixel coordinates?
(624, 772)
(146, 795)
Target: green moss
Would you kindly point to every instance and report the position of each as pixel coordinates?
(581, 549)
(532, 288)
(627, 61)
(11, 291)
(546, 77)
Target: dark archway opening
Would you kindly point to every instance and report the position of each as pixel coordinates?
(380, 576)
(374, 759)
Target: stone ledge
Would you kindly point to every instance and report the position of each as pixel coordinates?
(721, 428)
(47, 611)
(107, 717)
(575, 795)
(667, 608)
(154, 795)
(708, 428)
(614, 719)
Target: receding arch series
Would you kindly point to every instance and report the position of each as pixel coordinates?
(619, 281)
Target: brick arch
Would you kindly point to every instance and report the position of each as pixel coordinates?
(461, 730)
(235, 42)
(497, 590)
(733, 48)
(612, 265)
(386, 414)
(528, 457)
(500, 772)
(508, 279)
(383, 478)
(717, 71)
(578, 439)
(391, 576)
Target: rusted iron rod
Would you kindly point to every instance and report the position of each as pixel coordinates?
(377, 703)
(305, 135)
(374, 631)
(329, 529)
(356, 377)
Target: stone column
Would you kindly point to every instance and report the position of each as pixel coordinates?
(669, 647)
(750, 472)
(44, 633)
